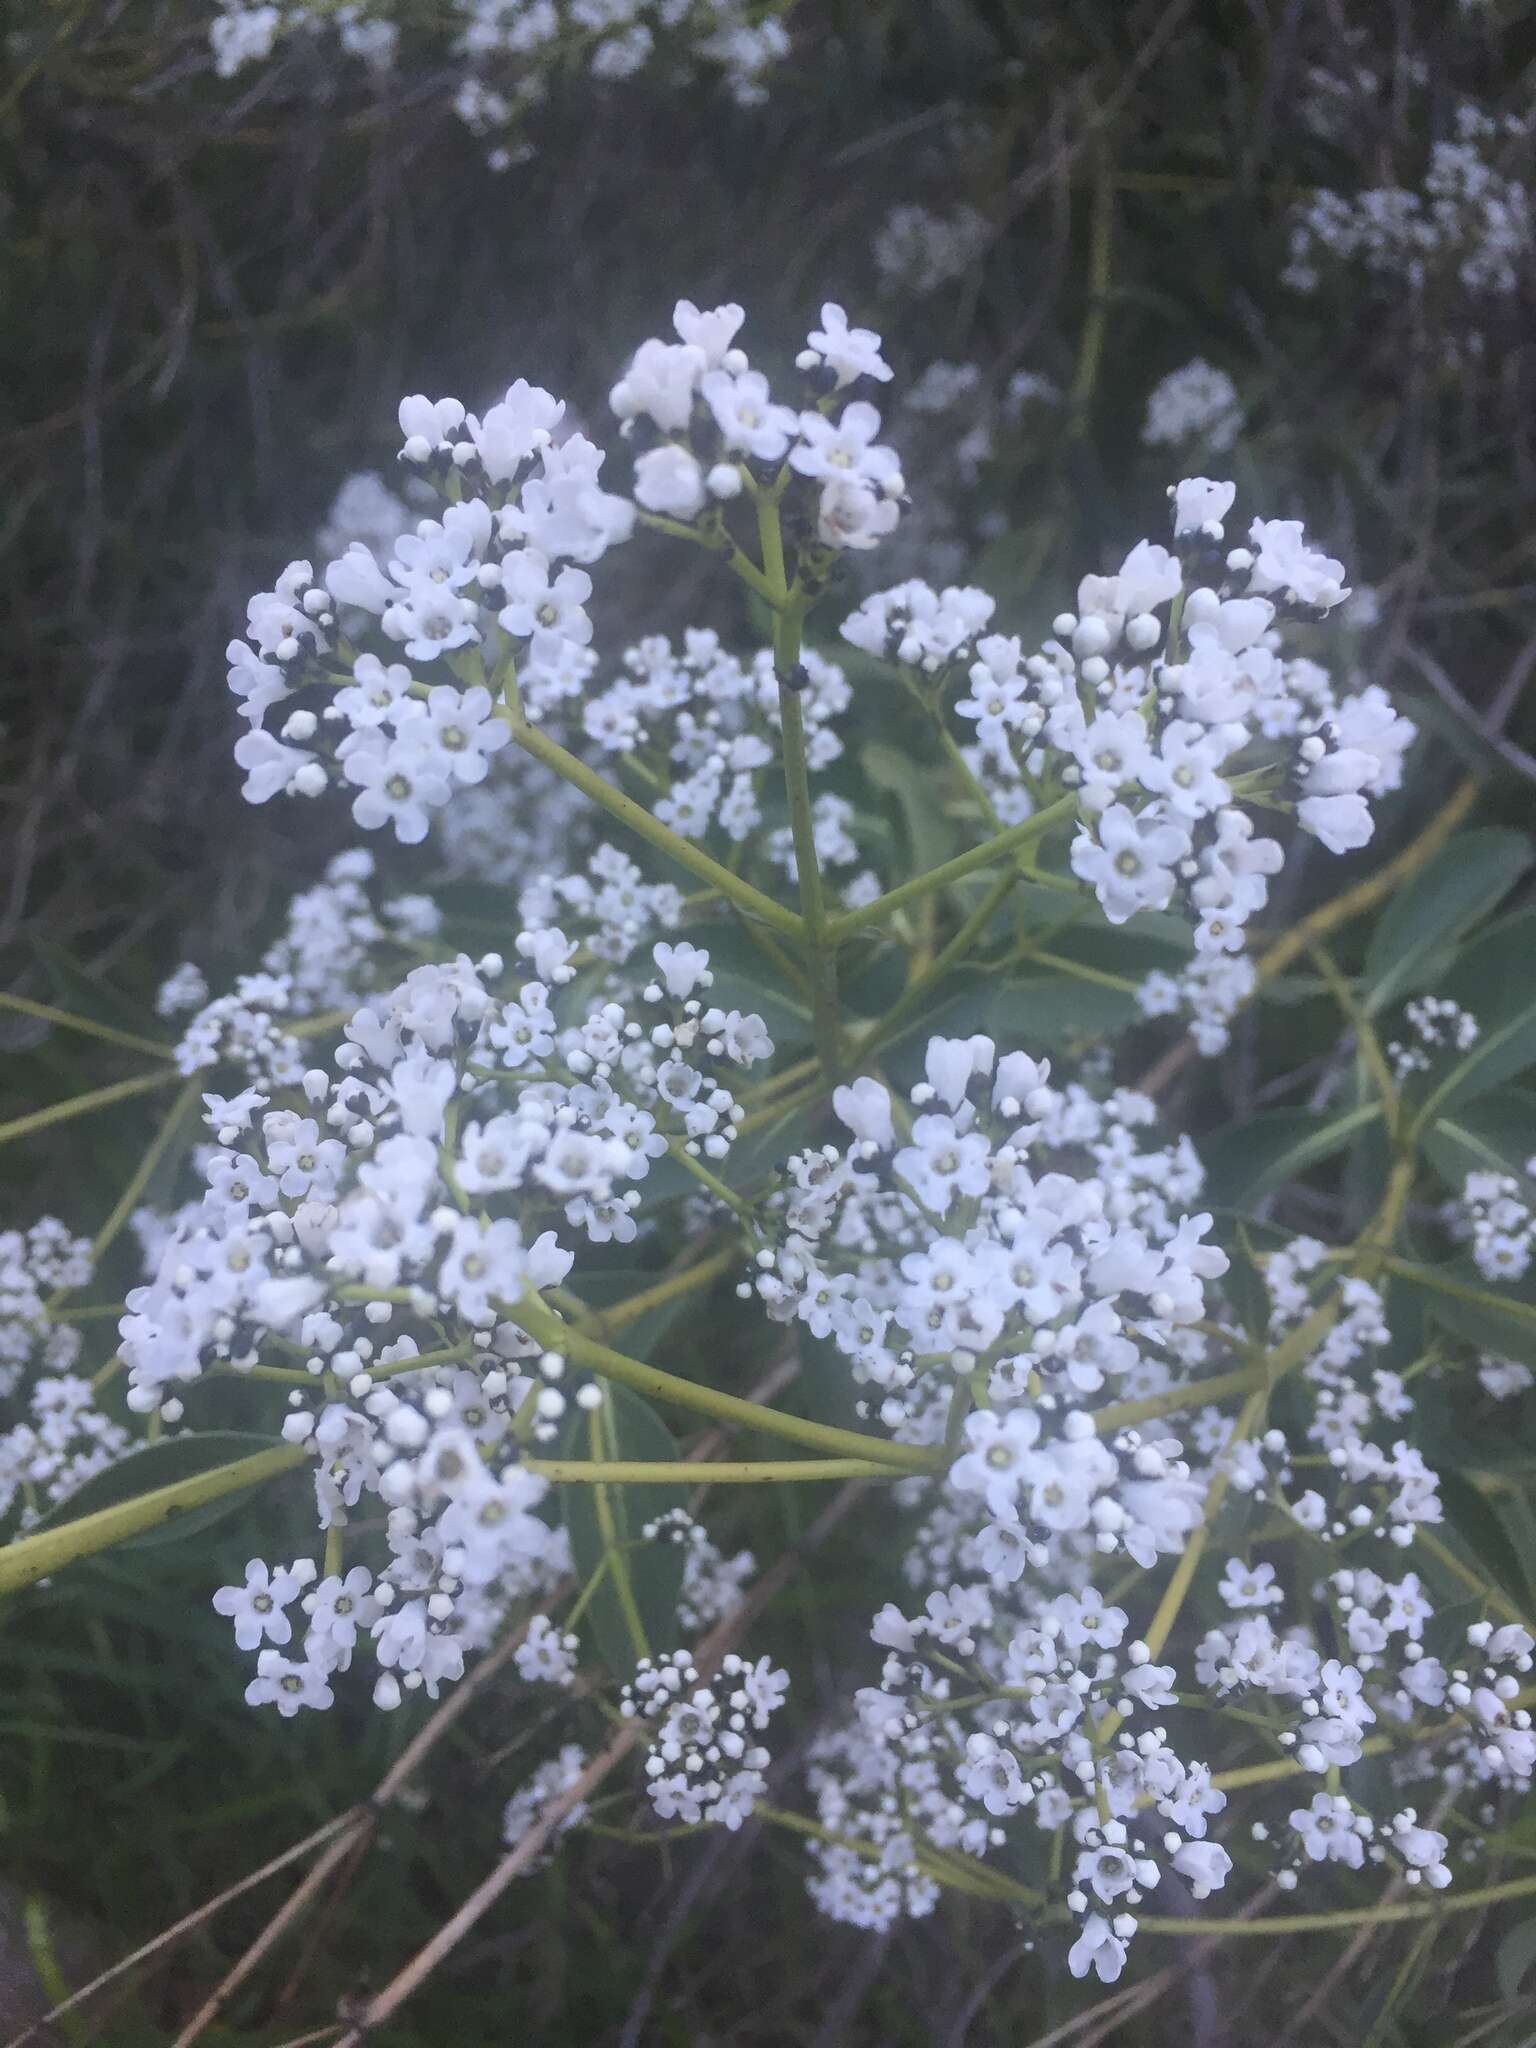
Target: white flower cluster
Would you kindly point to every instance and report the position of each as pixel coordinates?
(507, 47)
(919, 252)
(493, 581)
(558, 1775)
(702, 1765)
(1469, 221)
(958, 1243)
(705, 728)
(1040, 1736)
(390, 677)
(699, 413)
(398, 1211)
(1496, 1211)
(1159, 705)
(59, 1435)
(1435, 1025)
(1378, 1482)
(1195, 406)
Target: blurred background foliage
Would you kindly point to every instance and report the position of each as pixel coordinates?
(214, 292)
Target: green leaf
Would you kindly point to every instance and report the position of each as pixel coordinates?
(71, 987)
(162, 1464)
(1513, 1960)
(1456, 1296)
(1048, 1011)
(1496, 1133)
(1247, 1160)
(600, 1290)
(1417, 933)
(931, 836)
(624, 1427)
(1475, 1521)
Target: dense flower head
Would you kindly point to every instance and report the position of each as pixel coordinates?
(1161, 1467)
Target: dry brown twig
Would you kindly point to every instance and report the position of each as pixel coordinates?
(530, 1845)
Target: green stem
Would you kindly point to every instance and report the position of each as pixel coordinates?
(127, 1201)
(957, 949)
(68, 1021)
(1325, 1923)
(821, 957)
(751, 902)
(618, 1563)
(948, 872)
(82, 1105)
(547, 1329)
(685, 1472)
(34, 1557)
(717, 1187)
(674, 1288)
(1459, 1290)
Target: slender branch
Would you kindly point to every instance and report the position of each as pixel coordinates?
(547, 1329)
(30, 1558)
(128, 1200)
(68, 1021)
(679, 1471)
(948, 872)
(675, 1287)
(1326, 1923)
(83, 1105)
(751, 902)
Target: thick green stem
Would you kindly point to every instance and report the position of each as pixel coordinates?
(1328, 1923)
(682, 1472)
(31, 1558)
(950, 955)
(547, 1329)
(751, 902)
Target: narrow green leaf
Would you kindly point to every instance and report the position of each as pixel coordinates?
(1245, 1161)
(1417, 933)
(1475, 1521)
(931, 836)
(1458, 1299)
(654, 1570)
(1514, 1958)
(155, 1465)
(1496, 1133)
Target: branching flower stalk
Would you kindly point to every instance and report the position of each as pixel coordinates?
(479, 1227)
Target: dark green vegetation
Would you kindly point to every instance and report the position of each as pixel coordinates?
(213, 296)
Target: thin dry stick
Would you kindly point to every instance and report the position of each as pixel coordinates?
(358, 1825)
(292, 1909)
(188, 1925)
(532, 1842)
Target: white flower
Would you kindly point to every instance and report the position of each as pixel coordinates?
(851, 515)
(1198, 503)
(711, 333)
(256, 1608)
(1284, 562)
(669, 480)
(288, 1686)
(1097, 1948)
(398, 785)
(746, 415)
(1131, 863)
(865, 1107)
(849, 351)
